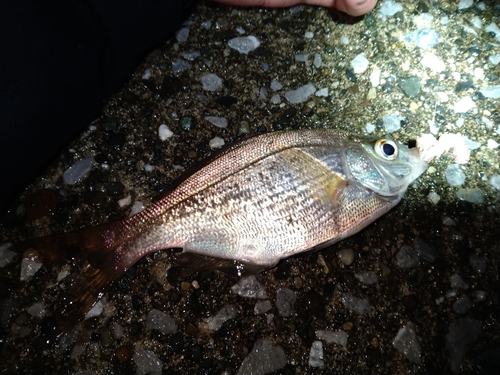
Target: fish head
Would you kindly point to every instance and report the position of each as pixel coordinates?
(384, 166)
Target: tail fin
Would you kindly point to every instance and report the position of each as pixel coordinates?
(100, 247)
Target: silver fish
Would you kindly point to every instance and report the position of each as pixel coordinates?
(259, 201)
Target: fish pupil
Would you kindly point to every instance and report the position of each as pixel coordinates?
(388, 149)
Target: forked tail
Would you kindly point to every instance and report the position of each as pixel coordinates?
(101, 249)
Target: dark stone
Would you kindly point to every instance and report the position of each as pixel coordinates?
(115, 188)
(314, 303)
(170, 86)
(462, 86)
(351, 76)
(226, 101)
(174, 296)
(410, 86)
(195, 352)
(386, 88)
(282, 271)
(260, 53)
(187, 123)
(110, 124)
(176, 342)
(422, 7)
(290, 113)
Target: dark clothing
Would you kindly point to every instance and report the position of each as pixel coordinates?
(58, 60)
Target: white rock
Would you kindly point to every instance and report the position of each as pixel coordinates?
(276, 85)
(389, 8)
(216, 142)
(285, 301)
(322, 92)
(407, 343)
(337, 337)
(495, 181)
(28, 268)
(160, 321)
(6, 255)
(220, 122)
(250, 287)
(317, 62)
(244, 44)
(359, 64)
(375, 76)
(182, 35)
(316, 355)
(493, 28)
(455, 175)
(97, 309)
(465, 104)
(301, 94)
(125, 201)
(367, 278)
(301, 57)
(464, 4)
(264, 358)
(492, 92)
(276, 99)
(147, 362)
(211, 82)
(164, 132)
(226, 313)
(180, 66)
(492, 143)
(392, 122)
(262, 307)
(432, 62)
(359, 305)
(77, 171)
(137, 207)
(423, 38)
(494, 59)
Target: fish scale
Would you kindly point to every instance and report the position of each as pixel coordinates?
(259, 201)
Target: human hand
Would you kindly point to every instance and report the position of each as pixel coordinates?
(351, 7)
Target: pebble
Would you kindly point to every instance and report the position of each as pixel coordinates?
(28, 268)
(211, 82)
(457, 282)
(285, 301)
(216, 142)
(392, 123)
(317, 62)
(346, 256)
(123, 354)
(464, 4)
(432, 62)
(37, 310)
(147, 362)
(410, 86)
(164, 132)
(244, 44)
(220, 122)
(160, 321)
(495, 181)
(407, 343)
(250, 287)
(182, 35)
(187, 123)
(6, 255)
(301, 94)
(262, 307)
(367, 278)
(337, 337)
(423, 38)
(464, 105)
(492, 92)
(470, 195)
(359, 305)
(406, 257)
(97, 309)
(359, 64)
(455, 175)
(226, 313)
(264, 358)
(78, 171)
(316, 355)
(388, 9)
(180, 66)
(275, 85)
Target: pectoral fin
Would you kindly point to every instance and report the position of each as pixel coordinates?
(190, 262)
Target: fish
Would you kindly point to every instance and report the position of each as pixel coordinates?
(261, 200)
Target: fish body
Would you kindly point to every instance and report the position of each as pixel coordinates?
(261, 200)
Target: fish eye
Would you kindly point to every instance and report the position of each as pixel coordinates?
(386, 149)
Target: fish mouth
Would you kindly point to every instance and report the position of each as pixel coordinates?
(418, 165)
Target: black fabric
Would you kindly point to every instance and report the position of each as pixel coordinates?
(58, 60)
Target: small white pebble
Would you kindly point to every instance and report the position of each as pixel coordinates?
(220, 122)
(137, 207)
(149, 168)
(146, 74)
(125, 201)
(492, 143)
(164, 132)
(216, 142)
(309, 34)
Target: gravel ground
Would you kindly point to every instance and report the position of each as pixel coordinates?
(415, 292)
